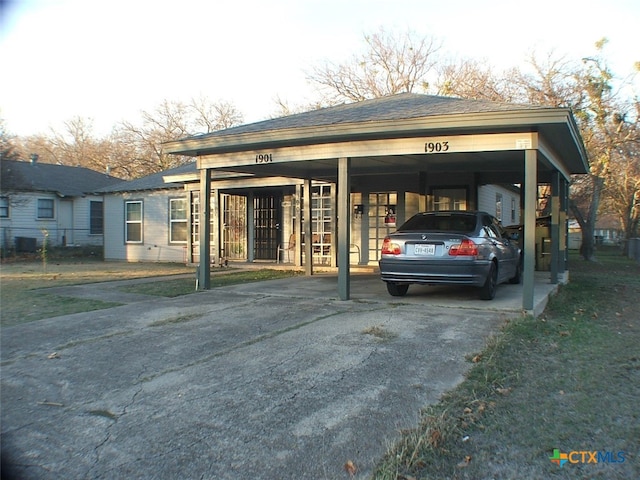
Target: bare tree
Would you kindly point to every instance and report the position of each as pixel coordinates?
(391, 64)
(477, 80)
(211, 116)
(171, 121)
(8, 150)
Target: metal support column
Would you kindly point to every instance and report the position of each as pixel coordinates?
(344, 227)
(530, 198)
(204, 273)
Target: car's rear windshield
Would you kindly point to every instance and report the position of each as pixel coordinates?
(440, 223)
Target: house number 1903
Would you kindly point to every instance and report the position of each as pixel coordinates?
(436, 147)
(264, 158)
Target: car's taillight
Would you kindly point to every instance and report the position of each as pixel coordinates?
(464, 248)
(390, 248)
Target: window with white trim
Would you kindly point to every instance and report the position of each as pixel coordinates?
(178, 230)
(45, 208)
(4, 207)
(133, 221)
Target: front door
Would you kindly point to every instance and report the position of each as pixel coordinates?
(267, 210)
(234, 227)
(65, 223)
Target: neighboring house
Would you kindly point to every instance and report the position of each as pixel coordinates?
(146, 219)
(56, 201)
(608, 230)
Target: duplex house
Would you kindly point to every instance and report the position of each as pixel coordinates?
(157, 217)
(59, 202)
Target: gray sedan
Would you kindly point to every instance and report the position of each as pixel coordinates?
(450, 248)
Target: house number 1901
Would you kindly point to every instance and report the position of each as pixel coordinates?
(264, 158)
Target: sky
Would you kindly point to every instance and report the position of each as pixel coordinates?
(107, 61)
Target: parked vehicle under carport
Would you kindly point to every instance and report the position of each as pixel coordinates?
(469, 248)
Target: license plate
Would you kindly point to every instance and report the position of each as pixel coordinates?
(422, 249)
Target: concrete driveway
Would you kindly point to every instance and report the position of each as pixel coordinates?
(276, 379)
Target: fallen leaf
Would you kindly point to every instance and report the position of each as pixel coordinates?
(435, 438)
(482, 407)
(465, 462)
(503, 391)
(53, 355)
(477, 358)
(350, 468)
(564, 333)
(467, 411)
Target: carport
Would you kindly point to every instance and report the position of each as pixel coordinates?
(421, 135)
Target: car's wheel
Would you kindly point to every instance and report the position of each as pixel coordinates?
(517, 278)
(488, 290)
(397, 289)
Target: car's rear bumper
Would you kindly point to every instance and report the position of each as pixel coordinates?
(434, 273)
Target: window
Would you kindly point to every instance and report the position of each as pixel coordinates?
(513, 210)
(133, 222)
(4, 207)
(178, 220)
(96, 217)
(449, 199)
(499, 206)
(45, 208)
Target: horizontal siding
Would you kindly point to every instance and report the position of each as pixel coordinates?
(487, 203)
(23, 221)
(155, 246)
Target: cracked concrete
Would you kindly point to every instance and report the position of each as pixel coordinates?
(258, 381)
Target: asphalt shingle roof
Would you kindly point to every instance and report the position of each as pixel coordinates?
(46, 177)
(394, 107)
(154, 181)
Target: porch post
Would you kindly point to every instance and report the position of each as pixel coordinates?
(530, 197)
(251, 229)
(334, 224)
(555, 226)
(564, 225)
(215, 217)
(308, 236)
(297, 227)
(204, 273)
(344, 226)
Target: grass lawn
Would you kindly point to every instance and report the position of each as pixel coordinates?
(568, 380)
(23, 300)
(20, 282)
